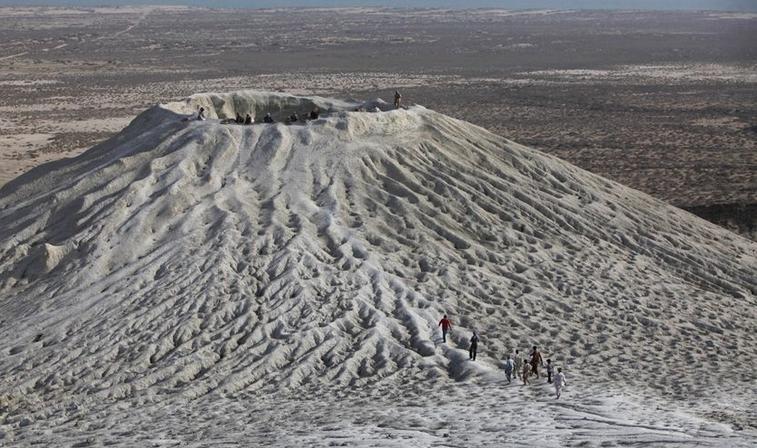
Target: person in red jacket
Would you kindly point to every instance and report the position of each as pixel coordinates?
(446, 326)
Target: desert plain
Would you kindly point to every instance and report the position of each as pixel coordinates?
(664, 102)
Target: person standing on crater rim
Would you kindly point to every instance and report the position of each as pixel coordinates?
(473, 347)
(397, 99)
(446, 327)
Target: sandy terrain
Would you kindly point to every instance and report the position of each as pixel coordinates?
(660, 101)
(195, 283)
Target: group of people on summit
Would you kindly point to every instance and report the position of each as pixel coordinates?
(268, 118)
(516, 366)
(293, 118)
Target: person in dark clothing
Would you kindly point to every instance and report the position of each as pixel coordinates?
(509, 366)
(239, 119)
(201, 114)
(536, 361)
(550, 370)
(315, 113)
(473, 346)
(248, 119)
(294, 118)
(518, 361)
(397, 99)
(446, 327)
(268, 118)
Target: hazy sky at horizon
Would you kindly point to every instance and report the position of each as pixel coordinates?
(725, 5)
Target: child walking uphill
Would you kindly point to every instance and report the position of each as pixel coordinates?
(559, 382)
(526, 371)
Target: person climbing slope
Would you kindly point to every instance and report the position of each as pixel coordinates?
(473, 347)
(536, 361)
(525, 372)
(550, 370)
(397, 99)
(518, 363)
(201, 114)
(559, 382)
(446, 325)
(509, 365)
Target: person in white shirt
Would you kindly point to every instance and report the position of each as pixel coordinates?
(559, 382)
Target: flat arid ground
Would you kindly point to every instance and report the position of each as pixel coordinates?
(664, 102)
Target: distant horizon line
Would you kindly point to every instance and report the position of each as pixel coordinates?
(743, 6)
(68, 5)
